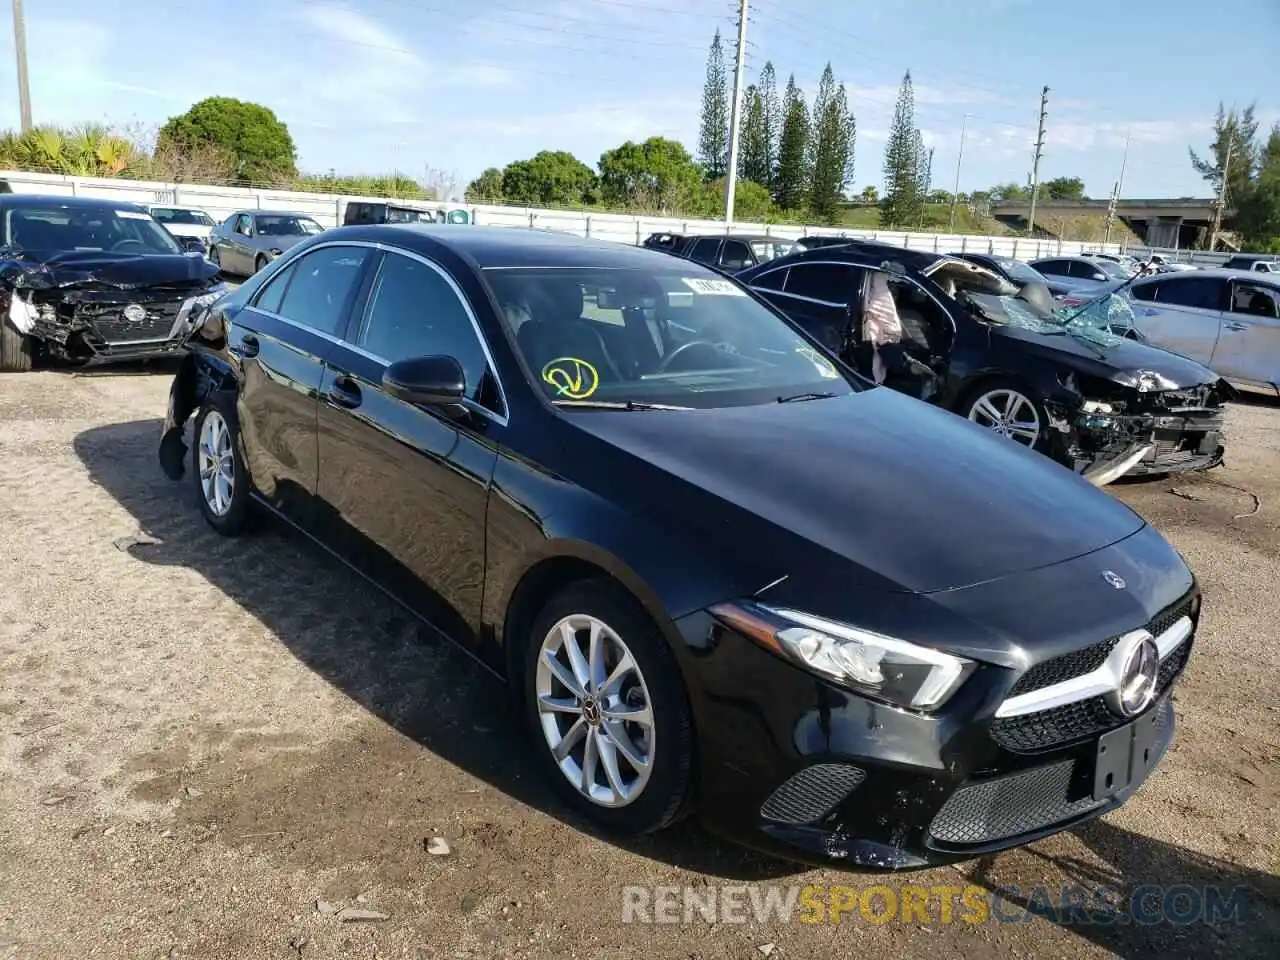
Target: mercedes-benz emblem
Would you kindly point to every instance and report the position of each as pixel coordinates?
(135, 313)
(1114, 579)
(1139, 672)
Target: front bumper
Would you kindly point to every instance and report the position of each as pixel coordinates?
(805, 770)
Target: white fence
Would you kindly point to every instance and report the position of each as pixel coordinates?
(327, 209)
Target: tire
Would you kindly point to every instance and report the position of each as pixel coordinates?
(215, 258)
(661, 794)
(16, 348)
(224, 496)
(1013, 401)
(259, 263)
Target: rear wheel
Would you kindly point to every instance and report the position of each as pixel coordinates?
(16, 348)
(259, 262)
(607, 708)
(214, 257)
(222, 482)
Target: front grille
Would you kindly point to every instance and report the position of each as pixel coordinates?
(111, 326)
(1033, 732)
(1023, 802)
(1010, 806)
(1079, 662)
(811, 794)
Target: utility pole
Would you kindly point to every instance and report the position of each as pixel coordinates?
(1035, 163)
(1115, 192)
(735, 116)
(20, 49)
(964, 129)
(1222, 194)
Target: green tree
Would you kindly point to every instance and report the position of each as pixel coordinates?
(1235, 134)
(924, 173)
(258, 143)
(713, 137)
(1064, 188)
(656, 175)
(1258, 214)
(869, 194)
(1009, 191)
(487, 186)
(88, 150)
(771, 120)
(751, 201)
(753, 158)
(831, 148)
(792, 183)
(551, 177)
(901, 203)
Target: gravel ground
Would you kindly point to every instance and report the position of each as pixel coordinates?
(200, 739)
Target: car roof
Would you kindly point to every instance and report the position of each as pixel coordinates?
(1221, 273)
(512, 246)
(749, 237)
(277, 213)
(18, 201)
(861, 251)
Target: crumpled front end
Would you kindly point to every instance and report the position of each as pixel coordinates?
(84, 314)
(1145, 428)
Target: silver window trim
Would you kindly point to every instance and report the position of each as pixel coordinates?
(806, 263)
(1105, 679)
(502, 417)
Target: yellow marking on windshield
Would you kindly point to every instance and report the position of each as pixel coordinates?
(573, 378)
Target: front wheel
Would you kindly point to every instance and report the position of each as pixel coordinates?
(607, 707)
(222, 482)
(15, 348)
(259, 262)
(1008, 410)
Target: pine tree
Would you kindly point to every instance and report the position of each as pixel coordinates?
(771, 118)
(793, 148)
(713, 139)
(1234, 133)
(832, 148)
(901, 165)
(753, 158)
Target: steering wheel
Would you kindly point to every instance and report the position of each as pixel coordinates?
(683, 349)
(126, 243)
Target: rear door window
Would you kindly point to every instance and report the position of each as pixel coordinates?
(1203, 293)
(322, 287)
(704, 251)
(830, 283)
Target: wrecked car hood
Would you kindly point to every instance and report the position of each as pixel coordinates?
(887, 490)
(104, 269)
(1105, 361)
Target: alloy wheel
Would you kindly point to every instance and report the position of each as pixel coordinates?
(1009, 414)
(217, 464)
(595, 711)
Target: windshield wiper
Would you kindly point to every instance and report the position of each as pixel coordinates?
(797, 397)
(617, 405)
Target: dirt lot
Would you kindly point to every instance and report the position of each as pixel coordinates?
(199, 739)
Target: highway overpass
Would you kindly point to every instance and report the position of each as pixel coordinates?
(1161, 223)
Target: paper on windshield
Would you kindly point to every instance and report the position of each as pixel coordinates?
(715, 288)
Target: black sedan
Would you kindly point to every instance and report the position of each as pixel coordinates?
(90, 281)
(1096, 401)
(717, 570)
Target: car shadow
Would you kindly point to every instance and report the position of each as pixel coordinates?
(1165, 901)
(425, 688)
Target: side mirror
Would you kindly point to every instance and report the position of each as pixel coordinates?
(430, 381)
(193, 244)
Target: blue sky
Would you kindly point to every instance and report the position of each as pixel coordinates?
(459, 85)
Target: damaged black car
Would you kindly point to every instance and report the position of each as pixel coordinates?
(87, 281)
(1068, 382)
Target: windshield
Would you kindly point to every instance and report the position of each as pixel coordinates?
(1018, 270)
(286, 226)
(407, 215)
(1096, 322)
(1112, 269)
(182, 215)
(667, 336)
(45, 231)
(769, 249)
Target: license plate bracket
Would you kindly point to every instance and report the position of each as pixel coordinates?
(1126, 755)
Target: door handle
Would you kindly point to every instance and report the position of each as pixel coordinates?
(247, 347)
(345, 393)
(1235, 325)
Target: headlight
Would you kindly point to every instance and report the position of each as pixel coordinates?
(885, 668)
(1097, 406)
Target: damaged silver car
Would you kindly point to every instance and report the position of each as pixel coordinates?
(88, 281)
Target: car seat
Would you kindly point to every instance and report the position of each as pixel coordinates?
(557, 329)
(1260, 305)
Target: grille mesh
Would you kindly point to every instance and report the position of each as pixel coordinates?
(1079, 662)
(812, 793)
(1009, 806)
(109, 322)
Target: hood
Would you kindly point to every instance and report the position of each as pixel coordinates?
(890, 491)
(88, 269)
(1118, 361)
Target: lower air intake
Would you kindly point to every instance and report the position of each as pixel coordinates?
(811, 794)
